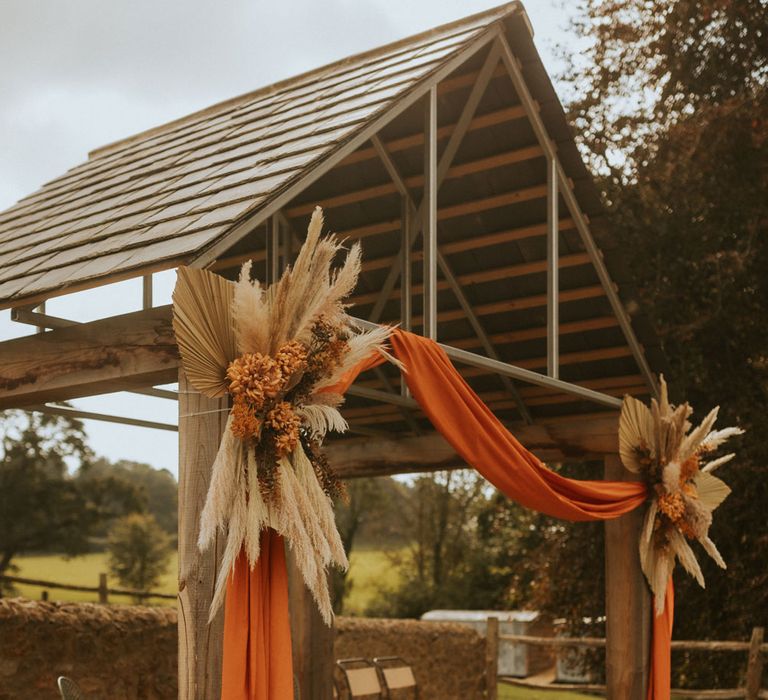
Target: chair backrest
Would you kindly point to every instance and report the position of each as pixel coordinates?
(69, 689)
(397, 674)
(361, 678)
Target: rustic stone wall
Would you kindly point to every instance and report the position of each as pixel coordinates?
(448, 659)
(113, 652)
(129, 652)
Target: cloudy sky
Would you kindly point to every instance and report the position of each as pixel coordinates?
(77, 74)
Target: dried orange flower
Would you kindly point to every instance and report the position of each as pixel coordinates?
(689, 468)
(672, 505)
(291, 358)
(285, 423)
(255, 376)
(245, 422)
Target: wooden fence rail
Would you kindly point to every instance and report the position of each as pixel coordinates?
(102, 589)
(756, 648)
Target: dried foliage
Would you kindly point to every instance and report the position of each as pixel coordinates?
(661, 446)
(281, 349)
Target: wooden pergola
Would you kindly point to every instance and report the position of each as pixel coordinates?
(448, 154)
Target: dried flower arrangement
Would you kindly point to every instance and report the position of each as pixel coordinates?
(276, 352)
(660, 444)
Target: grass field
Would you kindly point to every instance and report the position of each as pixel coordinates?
(81, 571)
(510, 692)
(370, 570)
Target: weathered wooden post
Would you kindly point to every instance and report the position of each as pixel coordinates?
(311, 638)
(627, 601)
(755, 664)
(201, 425)
(492, 658)
(103, 592)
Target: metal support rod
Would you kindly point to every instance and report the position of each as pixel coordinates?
(146, 292)
(566, 191)
(406, 282)
(450, 278)
(470, 358)
(553, 272)
(429, 228)
(273, 249)
(69, 412)
(446, 159)
(482, 336)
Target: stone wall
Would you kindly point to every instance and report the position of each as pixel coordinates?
(113, 652)
(129, 652)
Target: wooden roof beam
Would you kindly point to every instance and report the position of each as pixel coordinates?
(578, 438)
(499, 273)
(479, 165)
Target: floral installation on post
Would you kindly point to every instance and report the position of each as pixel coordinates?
(277, 353)
(661, 445)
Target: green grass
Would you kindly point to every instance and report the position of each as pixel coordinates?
(370, 570)
(511, 692)
(82, 571)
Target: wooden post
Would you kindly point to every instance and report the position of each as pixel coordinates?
(755, 664)
(44, 595)
(492, 658)
(627, 601)
(312, 640)
(201, 424)
(103, 593)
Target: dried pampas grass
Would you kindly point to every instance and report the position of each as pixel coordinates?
(662, 445)
(275, 351)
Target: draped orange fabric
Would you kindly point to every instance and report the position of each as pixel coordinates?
(257, 663)
(660, 678)
(483, 443)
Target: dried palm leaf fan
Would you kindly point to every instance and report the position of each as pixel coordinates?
(277, 352)
(659, 444)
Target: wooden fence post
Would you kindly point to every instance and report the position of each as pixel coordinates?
(103, 592)
(627, 601)
(492, 657)
(311, 638)
(755, 664)
(201, 425)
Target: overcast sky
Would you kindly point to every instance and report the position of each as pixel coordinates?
(77, 74)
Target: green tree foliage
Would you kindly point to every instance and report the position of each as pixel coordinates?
(437, 516)
(43, 507)
(157, 488)
(671, 105)
(139, 550)
(369, 515)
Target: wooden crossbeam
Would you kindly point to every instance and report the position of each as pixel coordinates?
(578, 438)
(113, 354)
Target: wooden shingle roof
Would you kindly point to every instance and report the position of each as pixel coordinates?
(164, 196)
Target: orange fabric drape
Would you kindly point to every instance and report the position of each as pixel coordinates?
(257, 662)
(660, 677)
(483, 443)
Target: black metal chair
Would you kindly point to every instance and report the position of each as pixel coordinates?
(69, 689)
(397, 675)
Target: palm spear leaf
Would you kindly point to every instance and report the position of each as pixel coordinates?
(202, 321)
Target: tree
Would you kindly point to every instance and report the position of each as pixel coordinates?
(368, 514)
(437, 517)
(42, 506)
(139, 550)
(670, 100)
(156, 488)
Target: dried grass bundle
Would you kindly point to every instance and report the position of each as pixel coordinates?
(661, 444)
(273, 350)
